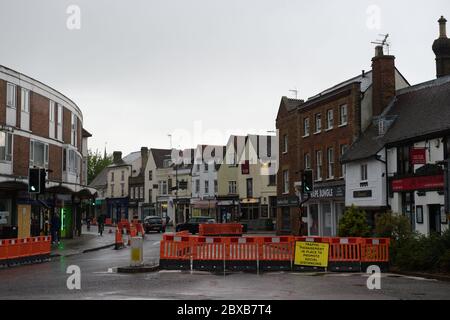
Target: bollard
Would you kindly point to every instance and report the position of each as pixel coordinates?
(136, 258)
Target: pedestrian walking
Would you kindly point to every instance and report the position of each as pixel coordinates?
(101, 224)
(55, 226)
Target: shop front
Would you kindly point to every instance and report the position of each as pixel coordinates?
(228, 209)
(324, 210)
(288, 215)
(422, 199)
(117, 209)
(204, 208)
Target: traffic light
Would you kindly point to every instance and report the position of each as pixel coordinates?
(307, 181)
(34, 180)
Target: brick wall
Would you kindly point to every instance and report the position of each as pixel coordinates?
(67, 125)
(55, 162)
(21, 153)
(39, 107)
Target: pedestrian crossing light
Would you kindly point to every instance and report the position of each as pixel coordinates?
(307, 181)
(34, 180)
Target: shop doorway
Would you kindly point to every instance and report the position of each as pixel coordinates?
(434, 214)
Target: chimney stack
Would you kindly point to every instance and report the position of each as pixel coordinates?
(441, 48)
(383, 80)
(144, 158)
(117, 156)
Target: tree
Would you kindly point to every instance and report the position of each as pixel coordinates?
(354, 223)
(96, 163)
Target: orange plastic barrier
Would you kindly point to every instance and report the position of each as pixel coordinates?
(242, 249)
(220, 229)
(4, 245)
(344, 249)
(345, 254)
(276, 248)
(375, 250)
(13, 249)
(175, 247)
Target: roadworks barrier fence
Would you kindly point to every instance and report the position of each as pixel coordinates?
(24, 251)
(182, 251)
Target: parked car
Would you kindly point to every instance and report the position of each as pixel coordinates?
(192, 225)
(154, 223)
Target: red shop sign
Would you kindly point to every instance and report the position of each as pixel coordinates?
(418, 183)
(418, 156)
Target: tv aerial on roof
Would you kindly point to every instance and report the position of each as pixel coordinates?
(383, 42)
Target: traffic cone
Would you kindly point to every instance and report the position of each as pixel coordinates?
(119, 240)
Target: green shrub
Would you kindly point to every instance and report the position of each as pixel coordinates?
(354, 223)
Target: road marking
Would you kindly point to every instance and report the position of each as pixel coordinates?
(156, 243)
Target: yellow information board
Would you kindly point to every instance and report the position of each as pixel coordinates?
(312, 254)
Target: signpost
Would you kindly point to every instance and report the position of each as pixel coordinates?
(311, 254)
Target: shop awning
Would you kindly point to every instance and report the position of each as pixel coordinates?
(205, 204)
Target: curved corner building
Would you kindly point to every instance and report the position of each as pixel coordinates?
(40, 128)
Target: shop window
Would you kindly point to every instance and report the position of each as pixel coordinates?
(326, 215)
(313, 220)
(285, 219)
(5, 212)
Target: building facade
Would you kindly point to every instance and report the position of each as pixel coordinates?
(314, 134)
(400, 163)
(40, 128)
(204, 181)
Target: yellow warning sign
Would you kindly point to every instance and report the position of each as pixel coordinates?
(312, 254)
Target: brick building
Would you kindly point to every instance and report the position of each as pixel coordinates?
(314, 134)
(40, 127)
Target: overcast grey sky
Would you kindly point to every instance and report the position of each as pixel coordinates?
(141, 69)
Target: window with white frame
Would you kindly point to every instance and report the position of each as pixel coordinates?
(318, 165)
(60, 123)
(74, 162)
(306, 127)
(38, 154)
(307, 163)
(74, 129)
(364, 172)
(11, 98)
(197, 186)
(285, 181)
(318, 118)
(25, 100)
(330, 160)
(51, 111)
(343, 117)
(232, 187)
(206, 186)
(163, 187)
(5, 146)
(285, 143)
(330, 119)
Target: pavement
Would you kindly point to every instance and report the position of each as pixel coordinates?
(99, 281)
(88, 241)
